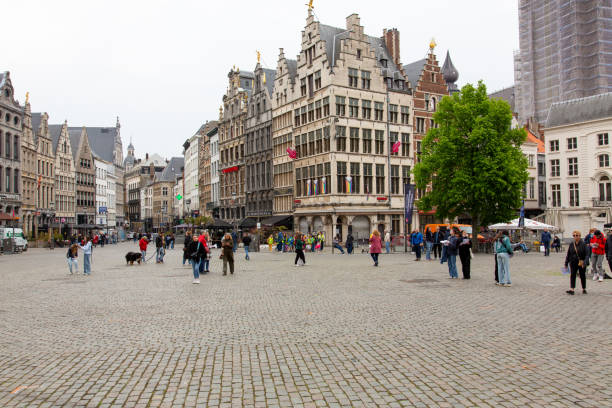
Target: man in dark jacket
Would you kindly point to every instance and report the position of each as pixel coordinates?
(609, 253)
(546, 242)
(246, 241)
(349, 243)
(159, 247)
(186, 246)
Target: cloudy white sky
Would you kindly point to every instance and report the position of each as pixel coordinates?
(161, 65)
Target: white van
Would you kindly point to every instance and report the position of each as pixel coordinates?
(17, 233)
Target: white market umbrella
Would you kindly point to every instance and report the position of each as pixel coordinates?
(529, 224)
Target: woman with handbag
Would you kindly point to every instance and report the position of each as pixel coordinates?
(227, 253)
(465, 254)
(575, 259)
(197, 252)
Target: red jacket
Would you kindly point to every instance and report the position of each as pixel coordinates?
(375, 244)
(143, 244)
(601, 247)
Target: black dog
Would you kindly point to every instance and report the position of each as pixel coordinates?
(132, 257)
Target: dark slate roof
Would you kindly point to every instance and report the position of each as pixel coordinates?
(327, 34)
(413, 71)
(128, 160)
(292, 67)
(101, 141)
(75, 137)
(55, 131)
(580, 110)
(451, 75)
(36, 119)
(270, 75)
(507, 94)
(172, 170)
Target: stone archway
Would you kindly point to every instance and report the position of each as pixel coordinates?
(361, 227)
(303, 225)
(317, 224)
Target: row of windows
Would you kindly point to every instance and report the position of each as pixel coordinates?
(313, 111)
(84, 179)
(572, 142)
(353, 76)
(85, 199)
(9, 180)
(232, 153)
(85, 163)
(10, 147)
(603, 161)
(604, 190)
(7, 116)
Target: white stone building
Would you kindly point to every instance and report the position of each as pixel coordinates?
(191, 154)
(214, 169)
(101, 191)
(578, 151)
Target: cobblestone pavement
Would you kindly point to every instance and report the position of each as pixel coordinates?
(335, 333)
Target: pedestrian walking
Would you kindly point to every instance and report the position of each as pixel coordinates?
(587, 241)
(188, 240)
(429, 241)
(503, 249)
(142, 244)
(445, 237)
(86, 256)
(598, 251)
(280, 241)
(336, 243)
(246, 241)
(465, 255)
(545, 241)
(437, 247)
(451, 253)
(608, 248)
(159, 248)
(203, 240)
(349, 243)
(196, 253)
(575, 259)
(299, 250)
(322, 240)
(388, 242)
(417, 242)
(270, 242)
(375, 246)
(71, 256)
(234, 241)
(227, 253)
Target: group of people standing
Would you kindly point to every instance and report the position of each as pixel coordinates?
(590, 250)
(287, 242)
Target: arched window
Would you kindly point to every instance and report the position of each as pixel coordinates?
(605, 189)
(604, 160)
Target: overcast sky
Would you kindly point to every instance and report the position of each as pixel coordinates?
(161, 65)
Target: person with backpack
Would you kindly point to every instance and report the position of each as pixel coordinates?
(598, 251)
(576, 260)
(72, 256)
(503, 250)
(246, 241)
(299, 250)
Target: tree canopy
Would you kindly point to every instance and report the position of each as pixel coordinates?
(472, 162)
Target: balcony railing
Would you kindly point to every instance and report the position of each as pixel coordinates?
(602, 203)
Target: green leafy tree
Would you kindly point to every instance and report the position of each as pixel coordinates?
(472, 161)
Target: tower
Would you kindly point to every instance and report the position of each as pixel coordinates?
(450, 74)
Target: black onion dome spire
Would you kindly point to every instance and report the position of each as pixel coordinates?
(451, 75)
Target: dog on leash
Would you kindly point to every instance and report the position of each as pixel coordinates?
(132, 257)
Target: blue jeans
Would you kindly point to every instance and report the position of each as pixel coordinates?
(339, 248)
(159, 257)
(196, 268)
(388, 246)
(375, 258)
(417, 251)
(503, 267)
(73, 262)
(444, 256)
(349, 249)
(246, 251)
(172, 244)
(428, 246)
(144, 256)
(87, 264)
(546, 248)
(204, 265)
(452, 266)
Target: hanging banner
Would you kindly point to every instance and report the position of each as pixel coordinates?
(409, 190)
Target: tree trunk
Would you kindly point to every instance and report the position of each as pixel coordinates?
(475, 231)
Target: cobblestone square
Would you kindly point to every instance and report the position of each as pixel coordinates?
(335, 333)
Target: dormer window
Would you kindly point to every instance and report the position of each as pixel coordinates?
(383, 62)
(7, 93)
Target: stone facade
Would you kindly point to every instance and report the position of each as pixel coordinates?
(347, 103)
(231, 145)
(213, 205)
(45, 166)
(204, 171)
(28, 172)
(64, 177)
(282, 134)
(192, 157)
(11, 115)
(85, 175)
(258, 146)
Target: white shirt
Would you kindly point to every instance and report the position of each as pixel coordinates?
(87, 248)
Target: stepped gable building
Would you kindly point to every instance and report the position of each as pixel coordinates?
(578, 150)
(107, 147)
(45, 170)
(29, 172)
(430, 86)
(258, 148)
(64, 178)
(232, 117)
(137, 175)
(11, 114)
(212, 206)
(85, 180)
(353, 103)
(282, 139)
(163, 188)
(204, 164)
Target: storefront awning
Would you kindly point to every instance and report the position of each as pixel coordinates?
(278, 221)
(248, 222)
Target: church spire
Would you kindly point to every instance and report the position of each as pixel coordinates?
(451, 75)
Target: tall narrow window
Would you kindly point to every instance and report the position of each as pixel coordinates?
(572, 166)
(379, 142)
(353, 77)
(340, 138)
(367, 140)
(317, 79)
(393, 113)
(555, 190)
(572, 143)
(602, 139)
(365, 79)
(378, 111)
(353, 107)
(367, 178)
(340, 106)
(405, 115)
(605, 189)
(380, 179)
(405, 144)
(554, 145)
(326, 106)
(354, 140)
(555, 168)
(393, 136)
(405, 175)
(574, 195)
(604, 160)
(341, 177)
(355, 178)
(366, 109)
(394, 179)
